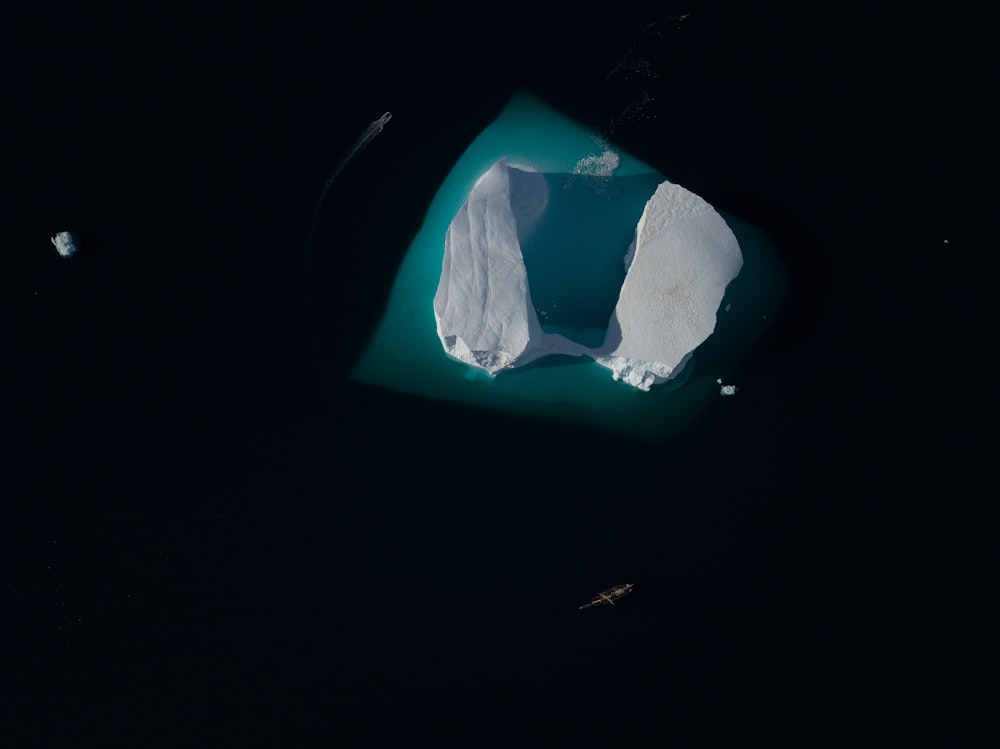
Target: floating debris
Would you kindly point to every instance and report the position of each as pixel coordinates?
(609, 596)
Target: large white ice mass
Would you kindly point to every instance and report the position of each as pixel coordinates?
(681, 259)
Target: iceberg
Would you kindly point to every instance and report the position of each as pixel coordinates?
(553, 328)
(726, 389)
(681, 259)
(65, 243)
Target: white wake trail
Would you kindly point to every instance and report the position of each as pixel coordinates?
(359, 145)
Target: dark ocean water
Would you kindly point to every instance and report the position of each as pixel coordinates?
(212, 536)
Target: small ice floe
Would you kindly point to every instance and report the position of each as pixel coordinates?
(66, 243)
(726, 389)
(728, 306)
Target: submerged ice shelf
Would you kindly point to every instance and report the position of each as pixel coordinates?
(560, 314)
(682, 257)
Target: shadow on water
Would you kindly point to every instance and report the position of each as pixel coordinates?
(804, 303)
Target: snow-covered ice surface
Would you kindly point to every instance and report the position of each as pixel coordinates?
(683, 257)
(483, 305)
(542, 372)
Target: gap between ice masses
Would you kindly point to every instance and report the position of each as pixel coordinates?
(681, 259)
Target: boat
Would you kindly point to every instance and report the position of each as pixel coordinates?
(609, 596)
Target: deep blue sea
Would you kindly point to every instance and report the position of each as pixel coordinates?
(226, 522)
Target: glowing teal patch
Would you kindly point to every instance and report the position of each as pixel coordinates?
(406, 355)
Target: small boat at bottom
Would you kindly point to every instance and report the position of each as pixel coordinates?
(609, 596)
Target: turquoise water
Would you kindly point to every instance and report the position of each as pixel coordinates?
(574, 257)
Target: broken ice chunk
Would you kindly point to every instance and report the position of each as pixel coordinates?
(66, 243)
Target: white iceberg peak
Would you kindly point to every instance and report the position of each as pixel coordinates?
(66, 243)
(679, 265)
